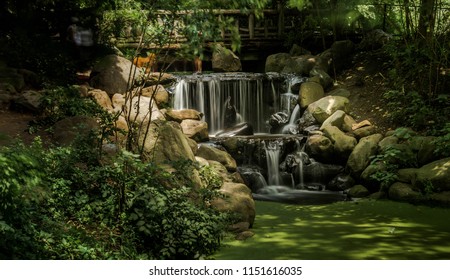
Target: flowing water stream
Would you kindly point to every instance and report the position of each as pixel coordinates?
(229, 99)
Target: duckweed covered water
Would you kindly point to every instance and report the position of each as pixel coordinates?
(345, 230)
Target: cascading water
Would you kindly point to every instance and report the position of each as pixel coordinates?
(289, 174)
(254, 96)
(273, 162)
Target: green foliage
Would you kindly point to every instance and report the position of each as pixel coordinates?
(386, 173)
(415, 110)
(442, 142)
(392, 158)
(60, 102)
(429, 188)
(60, 203)
(170, 226)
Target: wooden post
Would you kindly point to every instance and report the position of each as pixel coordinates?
(251, 25)
(280, 18)
(266, 29)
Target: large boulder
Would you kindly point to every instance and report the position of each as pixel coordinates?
(221, 170)
(310, 92)
(71, 129)
(407, 175)
(343, 144)
(348, 123)
(29, 100)
(277, 62)
(118, 102)
(210, 153)
(183, 114)
(142, 109)
(424, 148)
(111, 74)
(324, 79)
(404, 192)
(224, 60)
(326, 106)
(164, 142)
(300, 65)
(320, 147)
(307, 121)
(5, 100)
(158, 93)
(337, 120)
(196, 130)
(358, 191)
(435, 175)
(102, 99)
(361, 155)
(237, 199)
(368, 175)
(297, 50)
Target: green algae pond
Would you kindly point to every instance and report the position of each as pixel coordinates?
(362, 230)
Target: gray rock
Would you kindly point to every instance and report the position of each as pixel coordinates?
(111, 74)
(310, 92)
(165, 142)
(71, 129)
(196, 130)
(238, 199)
(343, 144)
(358, 191)
(276, 62)
(361, 155)
(337, 120)
(325, 80)
(435, 174)
(301, 65)
(320, 147)
(404, 192)
(210, 153)
(29, 100)
(224, 60)
(325, 107)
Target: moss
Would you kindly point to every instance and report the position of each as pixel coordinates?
(349, 230)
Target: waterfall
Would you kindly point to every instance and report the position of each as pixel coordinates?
(301, 158)
(273, 149)
(255, 97)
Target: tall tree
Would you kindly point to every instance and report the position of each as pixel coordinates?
(427, 19)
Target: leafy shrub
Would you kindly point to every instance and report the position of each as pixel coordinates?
(414, 110)
(392, 158)
(127, 209)
(60, 102)
(442, 142)
(419, 98)
(20, 194)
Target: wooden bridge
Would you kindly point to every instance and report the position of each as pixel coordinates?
(258, 34)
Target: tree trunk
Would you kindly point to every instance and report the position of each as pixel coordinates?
(408, 18)
(427, 19)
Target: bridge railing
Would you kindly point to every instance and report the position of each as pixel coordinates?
(270, 26)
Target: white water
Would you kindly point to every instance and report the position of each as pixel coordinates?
(253, 95)
(273, 162)
(302, 158)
